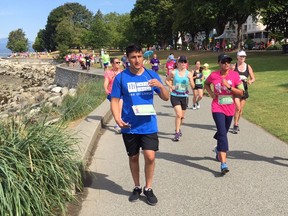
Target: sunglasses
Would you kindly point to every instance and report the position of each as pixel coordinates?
(116, 62)
(182, 62)
(225, 61)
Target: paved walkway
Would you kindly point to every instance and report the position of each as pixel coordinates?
(187, 179)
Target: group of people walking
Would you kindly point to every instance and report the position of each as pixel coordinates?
(131, 93)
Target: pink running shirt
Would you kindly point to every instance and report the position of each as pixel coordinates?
(110, 74)
(224, 100)
(170, 67)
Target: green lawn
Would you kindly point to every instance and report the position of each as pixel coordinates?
(267, 105)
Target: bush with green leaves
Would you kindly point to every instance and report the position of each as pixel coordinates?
(38, 168)
(276, 46)
(249, 43)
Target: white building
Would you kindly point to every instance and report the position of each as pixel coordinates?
(254, 30)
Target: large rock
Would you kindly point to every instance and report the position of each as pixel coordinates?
(25, 86)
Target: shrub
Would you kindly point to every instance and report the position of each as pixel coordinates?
(249, 43)
(38, 168)
(276, 46)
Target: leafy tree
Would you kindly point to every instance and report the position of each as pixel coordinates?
(165, 17)
(39, 44)
(17, 41)
(125, 28)
(79, 16)
(98, 36)
(65, 32)
(144, 21)
(275, 16)
(240, 12)
(113, 26)
(200, 15)
(119, 30)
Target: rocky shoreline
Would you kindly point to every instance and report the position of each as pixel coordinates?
(28, 86)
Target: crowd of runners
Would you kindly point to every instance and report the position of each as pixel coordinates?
(130, 92)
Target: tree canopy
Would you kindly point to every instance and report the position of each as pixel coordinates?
(74, 17)
(153, 22)
(275, 16)
(17, 41)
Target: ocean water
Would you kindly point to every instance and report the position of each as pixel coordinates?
(4, 54)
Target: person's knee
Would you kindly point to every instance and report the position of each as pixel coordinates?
(240, 111)
(179, 116)
(238, 108)
(149, 157)
(134, 158)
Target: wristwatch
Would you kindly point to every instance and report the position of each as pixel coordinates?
(230, 88)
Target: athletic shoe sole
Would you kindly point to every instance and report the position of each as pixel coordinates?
(224, 171)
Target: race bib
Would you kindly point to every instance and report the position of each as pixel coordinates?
(225, 99)
(155, 64)
(181, 87)
(144, 109)
(243, 78)
(198, 81)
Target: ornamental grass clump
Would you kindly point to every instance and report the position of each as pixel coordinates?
(38, 168)
(90, 94)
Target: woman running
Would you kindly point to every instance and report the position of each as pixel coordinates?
(178, 82)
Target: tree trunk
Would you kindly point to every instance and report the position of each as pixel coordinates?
(239, 35)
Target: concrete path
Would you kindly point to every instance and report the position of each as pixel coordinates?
(187, 179)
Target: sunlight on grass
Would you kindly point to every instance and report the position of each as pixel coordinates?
(267, 105)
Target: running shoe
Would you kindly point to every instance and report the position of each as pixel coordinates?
(235, 129)
(194, 107)
(180, 133)
(135, 194)
(151, 198)
(216, 152)
(197, 105)
(176, 137)
(224, 168)
(117, 129)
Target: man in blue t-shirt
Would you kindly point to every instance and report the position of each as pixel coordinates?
(136, 86)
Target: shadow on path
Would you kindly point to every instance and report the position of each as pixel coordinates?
(247, 155)
(186, 160)
(100, 181)
(201, 126)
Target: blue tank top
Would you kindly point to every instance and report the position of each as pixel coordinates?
(181, 85)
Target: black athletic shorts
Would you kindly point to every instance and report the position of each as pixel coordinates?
(198, 87)
(182, 101)
(133, 142)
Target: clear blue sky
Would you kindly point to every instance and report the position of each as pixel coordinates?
(31, 15)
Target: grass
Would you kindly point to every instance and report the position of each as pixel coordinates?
(90, 94)
(39, 166)
(268, 102)
(268, 99)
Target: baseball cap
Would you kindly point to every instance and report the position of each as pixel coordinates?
(206, 65)
(182, 59)
(241, 53)
(171, 57)
(223, 57)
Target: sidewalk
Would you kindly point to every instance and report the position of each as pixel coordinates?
(187, 179)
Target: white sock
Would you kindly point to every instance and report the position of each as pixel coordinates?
(146, 189)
